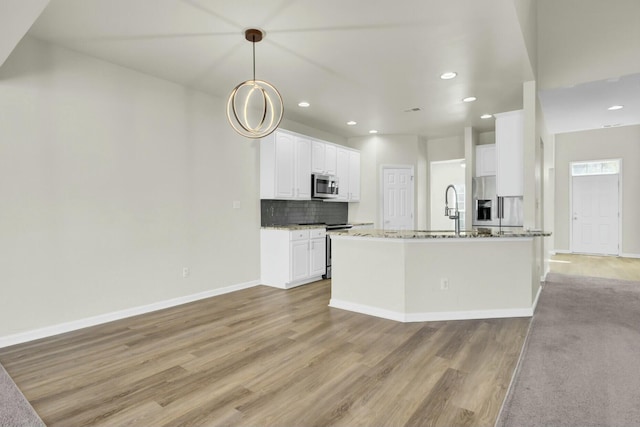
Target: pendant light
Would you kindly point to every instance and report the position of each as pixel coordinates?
(255, 107)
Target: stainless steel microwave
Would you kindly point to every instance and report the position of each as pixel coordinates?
(324, 186)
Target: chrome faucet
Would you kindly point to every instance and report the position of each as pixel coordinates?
(455, 216)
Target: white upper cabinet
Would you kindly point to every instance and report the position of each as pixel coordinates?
(342, 172)
(354, 176)
(510, 153)
(285, 166)
(348, 173)
(318, 157)
(330, 158)
(285, 157)
(323, 158)
(288, 159)
(303, 168)
(486, 160)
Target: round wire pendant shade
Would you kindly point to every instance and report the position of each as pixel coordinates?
(255, 108)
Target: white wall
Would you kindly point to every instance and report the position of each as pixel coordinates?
(547, 142)
(111, 182)
(379, 150)
(446, 148)
(487, 138)
(612, 143)
(312, 132)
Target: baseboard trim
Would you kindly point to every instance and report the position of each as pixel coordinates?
(74, 325)
(430, 317)
(293, 284)
(535, 301)
(623, 255)
(560, 251)
(367, 309)
(630, 255)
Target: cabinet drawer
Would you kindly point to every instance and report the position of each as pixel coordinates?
(318, 232)
(299, 235)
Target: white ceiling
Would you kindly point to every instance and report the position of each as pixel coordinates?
(362, 60)
(586, 106)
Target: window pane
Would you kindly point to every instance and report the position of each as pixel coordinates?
(610, 167)
(595, 168)
(579, 169)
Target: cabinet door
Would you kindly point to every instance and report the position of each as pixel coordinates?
(303, 169)
(285, 166)
(318, 150)
(299, 259)
(342, 172)
(486, 160)
(330, 159)
(354, 176)
(317, 265)
(509, 153)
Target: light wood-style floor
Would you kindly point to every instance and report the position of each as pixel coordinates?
(596, 266)
(270, 357)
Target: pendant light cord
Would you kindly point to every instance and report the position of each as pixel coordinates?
(253, 43)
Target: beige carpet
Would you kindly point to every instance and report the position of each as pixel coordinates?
(581, 362)
(15, 410)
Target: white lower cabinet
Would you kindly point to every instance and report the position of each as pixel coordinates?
(291, 257)
(299, 253)
(317, 258)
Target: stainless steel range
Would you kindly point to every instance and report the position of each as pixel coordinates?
(332, 227)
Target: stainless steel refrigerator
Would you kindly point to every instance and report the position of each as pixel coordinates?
(489, 210)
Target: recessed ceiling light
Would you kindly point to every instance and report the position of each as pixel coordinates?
(351, 123)
(448, 75)
(372, 131)
(303, 104)
(486, 116)
(615, 107)
(469, 99)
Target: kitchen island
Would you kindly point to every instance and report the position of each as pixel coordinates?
(413, 276)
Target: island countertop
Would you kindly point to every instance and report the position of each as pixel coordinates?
(434, 275)
(436, 234)
(294, 227)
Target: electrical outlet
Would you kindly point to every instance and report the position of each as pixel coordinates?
(236, 204)
(185, 272)
(444, 284)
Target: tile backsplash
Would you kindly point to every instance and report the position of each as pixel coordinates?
(286, 212)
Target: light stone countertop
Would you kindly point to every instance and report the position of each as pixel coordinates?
(435, 234)
(294, 227)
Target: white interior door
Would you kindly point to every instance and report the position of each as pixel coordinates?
(595, 219)
(397, 211)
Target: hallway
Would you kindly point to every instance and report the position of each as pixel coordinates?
(596, 266)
